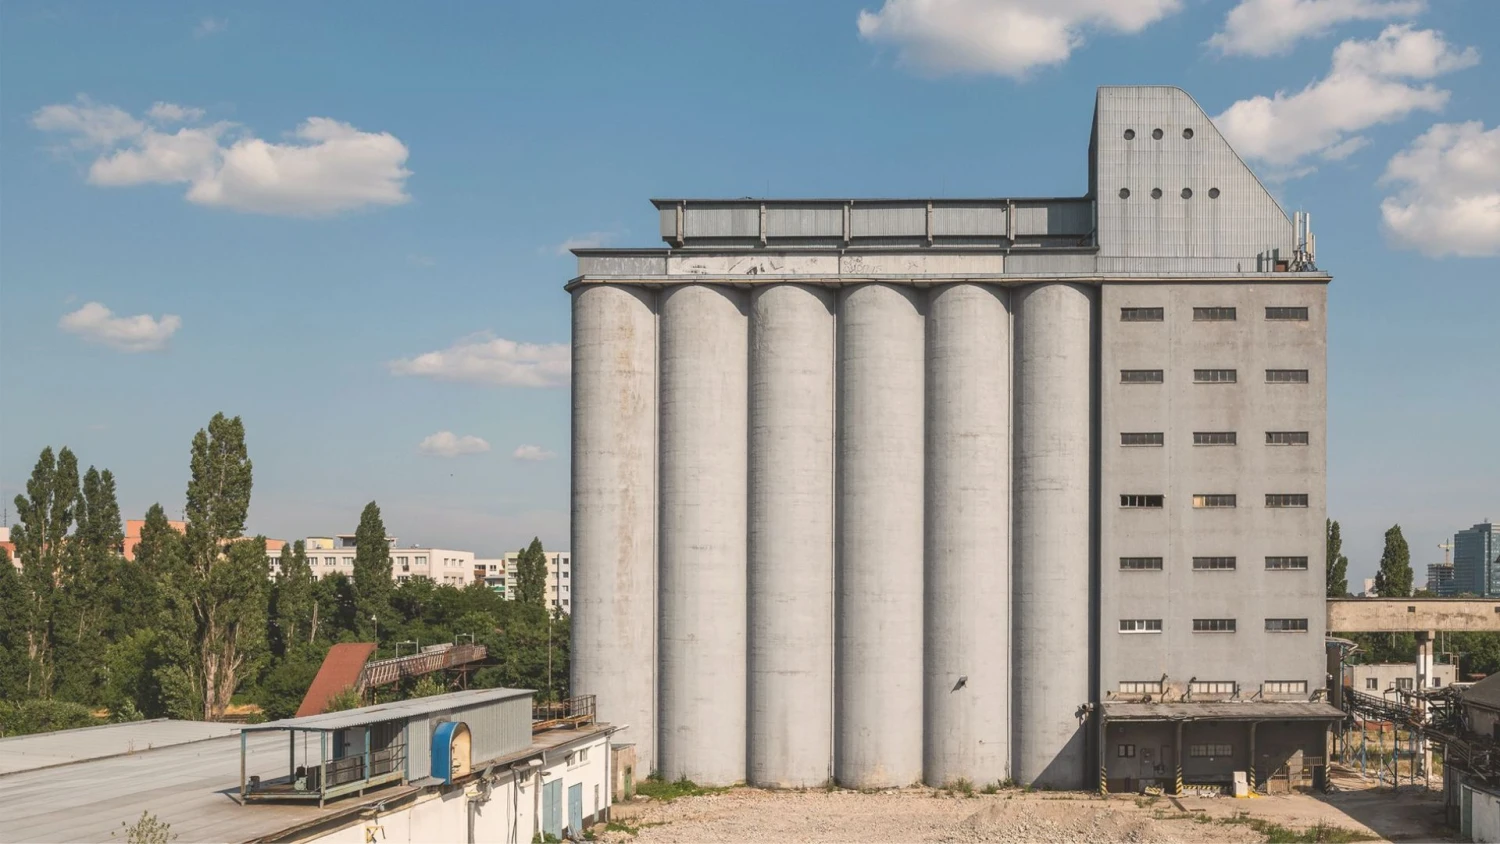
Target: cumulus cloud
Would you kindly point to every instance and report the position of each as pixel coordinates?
(1447, 199)
(587, 240)
(486, 359)
(141, 333)
(449, 444)
(1272, 27)
(210, 26)
(532, 453)
(1007, 37)
(1371, 82)
(325, 167)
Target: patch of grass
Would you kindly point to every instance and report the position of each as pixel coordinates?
(658, 789)
(1144, 802)
(962, 786)
(630, 829)
(990, 788)
(1321, 833)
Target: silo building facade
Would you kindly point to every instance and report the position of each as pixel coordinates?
(915, 490)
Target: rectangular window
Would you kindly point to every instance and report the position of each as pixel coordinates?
(1286, 438)
(1404, 683)
(1208, 751)
(1213, 563)
(1286, 564)
(1213, 687)
(1372, 683)
(1213, 314)
(330, 561)
(1142, 314)
(1140, 687)
(1215, 376)
(1214, 438)
(1213, 625)
(1142, 501)
(1286, 499)
(1141, 439)
(1140, 625)
(421, 561)
(1286, 625)
(1140, 564)
(1125, 751)
(1213, 502)
(1298, 314)
(565, 573)
(1286, 376)
(1286, 687)
(1140, 376)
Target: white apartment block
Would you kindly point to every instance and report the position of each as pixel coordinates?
(500, 575)
(327, 555)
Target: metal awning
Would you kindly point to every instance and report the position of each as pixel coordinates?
(1256, 710)
(394, 711)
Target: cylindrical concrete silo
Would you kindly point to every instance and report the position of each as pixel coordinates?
(792, 350)
(878, 676)
(1053, 524)
(967, 616)
(703, 488)
(614, 508)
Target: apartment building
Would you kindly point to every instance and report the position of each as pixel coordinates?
(1476, 560)
(500, 576)
(327, 555)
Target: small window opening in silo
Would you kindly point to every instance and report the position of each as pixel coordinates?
(1156, 133)
(1156, 193)
(1124, 193)
(1187, 134)
(1213, 193)
(1129, 134)
(1187, 193)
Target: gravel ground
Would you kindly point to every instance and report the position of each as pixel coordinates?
(744, 814)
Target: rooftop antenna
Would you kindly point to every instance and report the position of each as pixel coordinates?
(1305, 248)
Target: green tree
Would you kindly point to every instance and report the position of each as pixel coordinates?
(165, 685)
(14, 610)
(531, 575)
(45, 515)
(296, 608)
(89, 599)
(1335, 564)
(372, 572)
(1394, 579)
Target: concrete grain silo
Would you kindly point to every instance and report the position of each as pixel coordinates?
(916, 489)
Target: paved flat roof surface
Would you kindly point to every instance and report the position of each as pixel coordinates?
(25, 753)
(1258, 710)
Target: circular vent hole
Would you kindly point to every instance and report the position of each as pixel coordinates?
(1187, 134)
(1156, 133)
(1213, 193)
(1156, 193)
(1129, 134)
(1124, 193)
(1187, 193)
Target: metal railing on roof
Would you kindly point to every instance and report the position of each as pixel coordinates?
(383, 672)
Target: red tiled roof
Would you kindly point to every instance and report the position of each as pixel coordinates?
(339, 671)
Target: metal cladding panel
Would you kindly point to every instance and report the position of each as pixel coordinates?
(1041, 262)
(498, 729)
(907, 219)
(1054, 217)
(972, 218)
(1053, 525)
(967, 617)
(636, 265)
(812, 220)
(418, 747)
(614, 508)
(721, 220)
(703, 476)
(1240, 222)
(792, 349)
(878, 676)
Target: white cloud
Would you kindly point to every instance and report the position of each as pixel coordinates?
(1370, 82)
(587, 240)
(210, 26)
(1271, 27)
(485, 359)
(140, 333)
(1448, 192)
(325, 168)
(173, 113)
(1007, 37)
(448, 444)
(532, 453)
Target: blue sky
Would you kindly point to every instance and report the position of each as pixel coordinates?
(345, 222)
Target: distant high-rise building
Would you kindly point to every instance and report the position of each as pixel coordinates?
(1475, 567)
(1440, 579)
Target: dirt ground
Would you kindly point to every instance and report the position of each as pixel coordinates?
(923, 814)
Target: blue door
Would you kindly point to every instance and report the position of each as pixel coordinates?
(575, 810)
(552, 810)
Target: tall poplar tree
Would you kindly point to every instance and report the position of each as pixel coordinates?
(1394, 580)
(372, 573)
(531, 575)
(45, 514)
(294, 598)
(1336, 565)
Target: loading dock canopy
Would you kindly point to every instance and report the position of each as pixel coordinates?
(1302, 710)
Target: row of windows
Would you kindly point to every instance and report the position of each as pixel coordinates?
(1212, 314)
(1197, 751)
(1154, 438)
(1215, 687)
(1213, 376)
(1213, 563)
(1403, 683)
(1213, 625)
(1212, 501)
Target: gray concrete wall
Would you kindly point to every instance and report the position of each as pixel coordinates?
(1411, 615)
(1385, 675)
(1178, 470)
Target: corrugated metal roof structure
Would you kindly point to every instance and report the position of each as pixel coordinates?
(397, 710)
(1302, 710)
(44, 750)
(340, 670)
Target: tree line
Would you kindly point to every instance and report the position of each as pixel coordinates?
(194, 625)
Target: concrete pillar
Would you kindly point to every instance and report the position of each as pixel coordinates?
(1177, 758)
(1254, 779)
